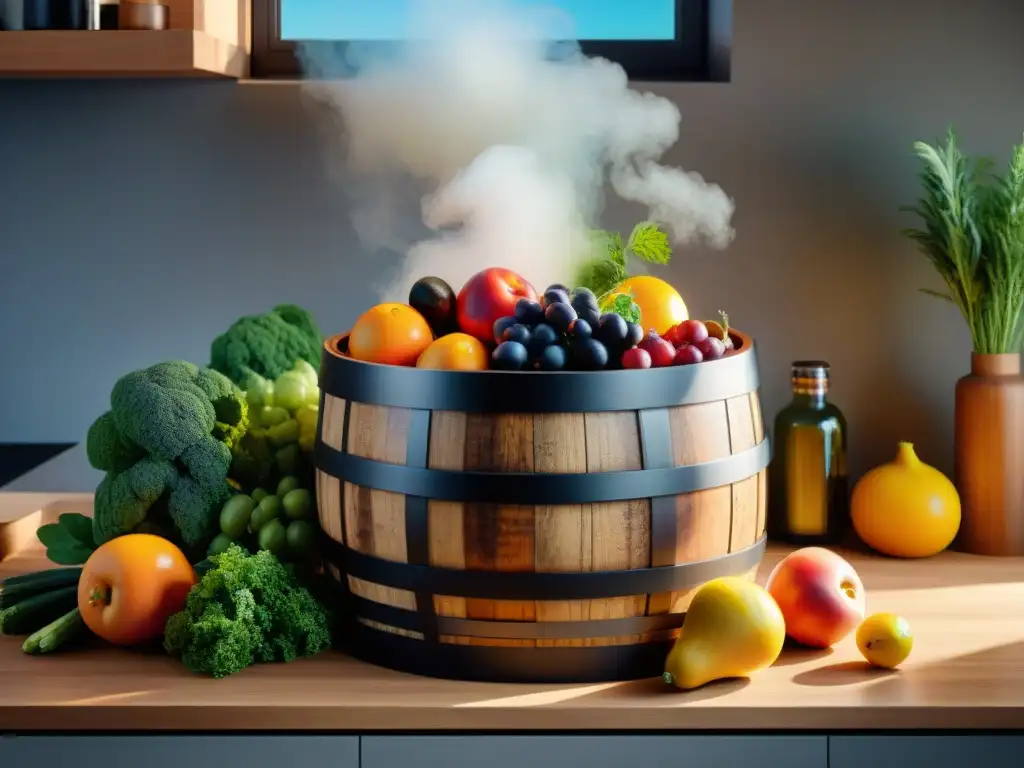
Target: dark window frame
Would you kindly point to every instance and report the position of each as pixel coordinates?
(695, 55)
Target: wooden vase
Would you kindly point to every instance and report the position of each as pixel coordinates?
(989, 456)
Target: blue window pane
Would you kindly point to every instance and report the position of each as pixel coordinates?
(386, 19)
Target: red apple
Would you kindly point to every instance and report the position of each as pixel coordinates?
(820, 595)
(487, 296)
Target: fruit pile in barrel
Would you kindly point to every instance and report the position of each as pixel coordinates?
(499, 321)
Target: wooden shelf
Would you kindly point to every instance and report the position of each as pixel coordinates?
(122, 53)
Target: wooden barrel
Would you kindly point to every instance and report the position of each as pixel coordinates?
(535, 527)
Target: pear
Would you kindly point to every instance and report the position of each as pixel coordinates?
(733, 628)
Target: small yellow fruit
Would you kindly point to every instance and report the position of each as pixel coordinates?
(454, 352)
(733, 628)
(906, 508)
(661, 306)
(885, 640)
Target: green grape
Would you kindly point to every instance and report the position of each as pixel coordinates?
(270, 416)
(234, 516)
(284, 433)
(291, 390)
(307, 416)
(308, 372)
(301, 536)
(220, 544)
(259, 391)
(288, 459)
(287, 484)
(297, 503)
(273, 536)
(259, 494)
(313, 396)
(267, 510)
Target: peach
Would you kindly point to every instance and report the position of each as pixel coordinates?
(820, 595)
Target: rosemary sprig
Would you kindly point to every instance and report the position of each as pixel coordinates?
(973, 233)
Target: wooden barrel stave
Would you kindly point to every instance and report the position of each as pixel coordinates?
(561, 538)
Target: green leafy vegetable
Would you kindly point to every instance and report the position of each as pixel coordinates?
(973, 234)
(267, 344)
(626, 308)
(69, 541)
(650, 243)
(165, 445)
(607, 266)
(246, 609)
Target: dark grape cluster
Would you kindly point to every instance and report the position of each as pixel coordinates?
(565, 330)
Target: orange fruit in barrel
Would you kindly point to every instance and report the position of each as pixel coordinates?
(390, 334)
(661, 306)
(455, 352)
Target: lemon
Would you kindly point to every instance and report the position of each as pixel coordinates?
(661, 306)
(885, 640)
(733, 628)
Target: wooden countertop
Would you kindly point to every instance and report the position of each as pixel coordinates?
(966, 672)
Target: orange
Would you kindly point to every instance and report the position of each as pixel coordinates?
(455, 352)
(660, 304)
(131, 585)
(391, 334)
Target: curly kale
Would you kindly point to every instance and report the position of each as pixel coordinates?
(267, 344)
(165, 445)
(246, 609)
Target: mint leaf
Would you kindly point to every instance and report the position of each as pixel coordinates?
(69, 541)
(600, 275)
(650, 243)
(625, 307)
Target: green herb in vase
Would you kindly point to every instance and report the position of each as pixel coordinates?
(973, 234)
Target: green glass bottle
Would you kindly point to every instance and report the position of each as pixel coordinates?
(807, 487)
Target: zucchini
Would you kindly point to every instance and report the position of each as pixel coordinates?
(30, 614)
(18, 588)
(54, 634)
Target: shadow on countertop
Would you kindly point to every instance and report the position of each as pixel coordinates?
(18, 458)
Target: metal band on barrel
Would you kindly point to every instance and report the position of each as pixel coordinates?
(504, 664)
(530, 585)
(536, 488)
(533, 392)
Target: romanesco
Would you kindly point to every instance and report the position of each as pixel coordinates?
(246, 609)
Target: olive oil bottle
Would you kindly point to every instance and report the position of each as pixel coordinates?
(807, 487)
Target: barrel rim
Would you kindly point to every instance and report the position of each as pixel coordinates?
(538, 391)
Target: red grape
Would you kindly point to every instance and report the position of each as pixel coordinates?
(661, 352)
(636, 358)
(688, 354)
(711, 348)
(691, 331)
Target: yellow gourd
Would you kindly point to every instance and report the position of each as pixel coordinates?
(906, 508)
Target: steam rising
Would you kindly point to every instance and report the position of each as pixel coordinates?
(514, 146)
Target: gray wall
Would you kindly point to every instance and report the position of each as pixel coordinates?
(137, 220)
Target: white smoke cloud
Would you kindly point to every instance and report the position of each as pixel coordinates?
(516, 145)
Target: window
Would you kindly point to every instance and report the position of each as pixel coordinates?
(652, 39)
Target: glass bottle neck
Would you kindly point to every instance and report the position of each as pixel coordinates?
(810, 399)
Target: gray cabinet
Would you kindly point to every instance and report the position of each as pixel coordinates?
(967, 751)
(178, 751)
(595, 751)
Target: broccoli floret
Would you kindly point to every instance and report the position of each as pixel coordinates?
(267, 344)
(247, 609)
(166, 442)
